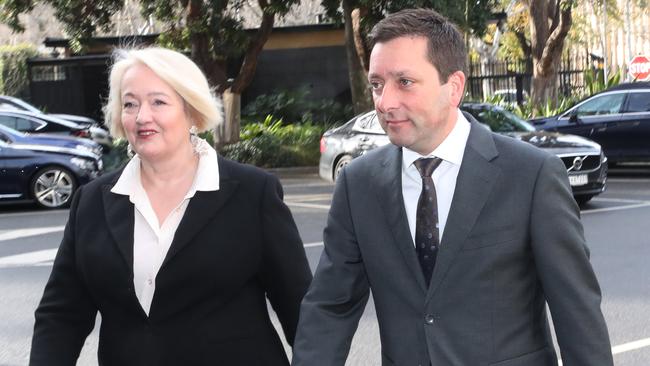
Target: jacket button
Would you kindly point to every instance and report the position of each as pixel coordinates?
(429, 319)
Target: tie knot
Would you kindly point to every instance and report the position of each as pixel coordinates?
(426, 166)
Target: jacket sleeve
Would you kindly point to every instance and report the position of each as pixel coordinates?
(568, 280)
(337, 297)
(285, 271)
(66, 313)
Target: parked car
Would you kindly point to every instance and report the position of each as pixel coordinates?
(44, 123)
(584, 160)
(617, 118)
(45, 168)
(13, 103)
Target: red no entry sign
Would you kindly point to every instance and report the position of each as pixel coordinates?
(639, 68)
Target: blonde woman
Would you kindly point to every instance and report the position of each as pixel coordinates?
(179, 250)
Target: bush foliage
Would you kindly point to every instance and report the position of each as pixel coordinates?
(272, 144)
(13, 69)
(296, 106)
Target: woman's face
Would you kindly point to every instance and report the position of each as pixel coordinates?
(153, 115)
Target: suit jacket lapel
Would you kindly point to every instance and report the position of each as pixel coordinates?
(389, 194)
(475, 180)
(200, 211)
(119, 214)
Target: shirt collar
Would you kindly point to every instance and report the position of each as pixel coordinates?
(206, 178)
(450, 150)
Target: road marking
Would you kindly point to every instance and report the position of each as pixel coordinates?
(308, 197)
(308, 205)
(312, 245)
(626, 347)
(37, 258)
(22, 233)
(631, 346)
(617, 208)
(33, 213)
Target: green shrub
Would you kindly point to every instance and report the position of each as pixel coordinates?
(271, 144)
(296, 106)
(13, 69)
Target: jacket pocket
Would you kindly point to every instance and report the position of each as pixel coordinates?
(541, 357)
(491, 238)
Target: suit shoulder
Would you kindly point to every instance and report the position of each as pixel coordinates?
(245, 173)
(105, 179)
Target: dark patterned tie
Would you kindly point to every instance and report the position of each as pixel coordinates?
(426, 222)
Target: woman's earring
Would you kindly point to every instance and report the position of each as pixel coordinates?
(129, 150)
(194, 138)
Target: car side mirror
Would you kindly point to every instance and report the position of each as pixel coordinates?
(573, 118)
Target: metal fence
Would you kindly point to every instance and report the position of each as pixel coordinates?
(512, 79)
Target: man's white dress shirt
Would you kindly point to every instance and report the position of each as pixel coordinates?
(451, 151)
(151, 239)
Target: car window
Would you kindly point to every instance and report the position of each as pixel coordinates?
(8, 106)
(368, 123)
(638, 102)
(8, 121)
(500, 120)
(25, 125)
(603, 104)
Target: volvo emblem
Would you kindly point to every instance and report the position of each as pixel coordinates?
(577, 163)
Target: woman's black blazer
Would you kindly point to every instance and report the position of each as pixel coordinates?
(233, 249)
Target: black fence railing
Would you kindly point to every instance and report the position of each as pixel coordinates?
(512, 79)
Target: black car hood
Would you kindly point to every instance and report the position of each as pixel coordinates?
(554, 140)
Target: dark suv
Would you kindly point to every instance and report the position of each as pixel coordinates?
(617, 118)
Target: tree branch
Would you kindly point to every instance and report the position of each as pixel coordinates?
(249, 65)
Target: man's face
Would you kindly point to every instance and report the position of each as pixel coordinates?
(414, 107)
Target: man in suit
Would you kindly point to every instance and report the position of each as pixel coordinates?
(463, 236)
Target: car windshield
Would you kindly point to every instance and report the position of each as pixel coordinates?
(500, 120)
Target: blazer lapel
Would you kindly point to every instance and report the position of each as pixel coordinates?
(389, 194)
(119, 214)
(200, 211)
(475, 181)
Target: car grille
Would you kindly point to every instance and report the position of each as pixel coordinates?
(589, 162)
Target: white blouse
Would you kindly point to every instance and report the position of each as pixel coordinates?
(151, 239)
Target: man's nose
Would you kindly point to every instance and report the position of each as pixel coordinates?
(387, 100)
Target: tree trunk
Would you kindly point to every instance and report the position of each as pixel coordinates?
(356, 57)
(227, 131)
(549, 26)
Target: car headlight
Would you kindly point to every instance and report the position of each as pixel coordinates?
(84, 164)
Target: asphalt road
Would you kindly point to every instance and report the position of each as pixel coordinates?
(616, 225)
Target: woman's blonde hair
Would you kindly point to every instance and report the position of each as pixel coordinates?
(174, 68)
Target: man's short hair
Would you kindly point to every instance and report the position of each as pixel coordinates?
(446, 48)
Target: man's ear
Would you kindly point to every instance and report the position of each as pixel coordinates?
(456, 82)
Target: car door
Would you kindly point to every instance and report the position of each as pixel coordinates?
(10, 187)
(630, 140)
(370, 135)
(594, 117)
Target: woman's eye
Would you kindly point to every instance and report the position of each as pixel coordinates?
(159, 102)
(375, 85)
(128, 105)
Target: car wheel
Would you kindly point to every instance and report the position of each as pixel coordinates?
(343, 161)
(582, 200)
(52, 187)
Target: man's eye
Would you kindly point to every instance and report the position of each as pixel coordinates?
(375, 85)
(405, 82)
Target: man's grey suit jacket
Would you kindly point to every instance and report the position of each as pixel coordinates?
(513, 242)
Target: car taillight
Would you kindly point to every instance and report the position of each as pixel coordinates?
(81, 133)
(323, 144)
